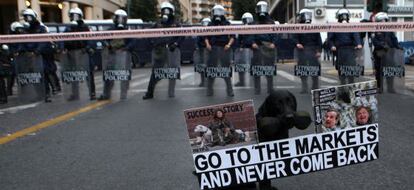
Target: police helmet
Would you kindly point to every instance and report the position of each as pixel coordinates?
(5, 47)
(343, 15)
(218, 10)
(262, 7)
(120, 18)
(29, 15)
(167, 8)
(205, 21)
(16, 26)
(381, 16)
(305, 16)
(75, 14)
(247, 18)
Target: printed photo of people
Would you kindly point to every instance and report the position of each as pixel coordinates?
(221, 126)
(345, 106)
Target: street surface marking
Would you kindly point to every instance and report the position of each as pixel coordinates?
(328, 80)
(52, 122)
(286, 75)
(18, 108)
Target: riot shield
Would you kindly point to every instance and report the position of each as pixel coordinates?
(116, 67)
(30, 77)
(360, 60)
(166, 63)
(74, 73)
(200, 64)
(348, 64)
(218, 64)
(308, 67)
(393, 71)
(263, 66)
(242, 64)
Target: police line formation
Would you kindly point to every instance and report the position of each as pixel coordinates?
(34, 67)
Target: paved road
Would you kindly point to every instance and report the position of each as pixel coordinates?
(137, 144)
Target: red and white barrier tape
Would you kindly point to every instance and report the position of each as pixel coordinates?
(211, 30)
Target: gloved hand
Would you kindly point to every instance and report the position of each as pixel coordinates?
(90, 51)
(302, 120)
(172, 46)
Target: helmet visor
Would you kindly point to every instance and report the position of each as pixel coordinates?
(261, 9)
(381, 18)
(166, 11)
(247, 20)
(120, 19)
(74, 17)
(28, 18)
(306, 17)
(205, 23)
(343, 16)
(218, 12)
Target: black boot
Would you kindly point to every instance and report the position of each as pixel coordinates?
(103, 97)
(47, 98)
(148, 96)
(92, 96)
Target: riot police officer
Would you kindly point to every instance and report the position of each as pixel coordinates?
(382, 42)
(264, 46)
(34, 26)
(166, 52)
(219, 50)
(5, 71)
(200, 64)
(78, 25)
(242, 51)
(341, 41)
(15, 28)
(117, 48)
(309, 42)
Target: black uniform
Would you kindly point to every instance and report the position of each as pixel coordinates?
(200, 63)
(46, 50)
(263, 55)
(114, 46)
(165, 49)
(343, 41)
(84, 46)
(383, 41)
(218, 54)
(242, 55)
(311, 42)
(5, 72)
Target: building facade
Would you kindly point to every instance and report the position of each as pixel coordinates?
(56, 10)
(202, 9)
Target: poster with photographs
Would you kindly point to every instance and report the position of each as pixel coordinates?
(346, 106)
(221, 126)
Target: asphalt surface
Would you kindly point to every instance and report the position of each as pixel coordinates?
(137, 144)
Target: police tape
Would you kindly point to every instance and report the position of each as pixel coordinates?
(209, 31)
